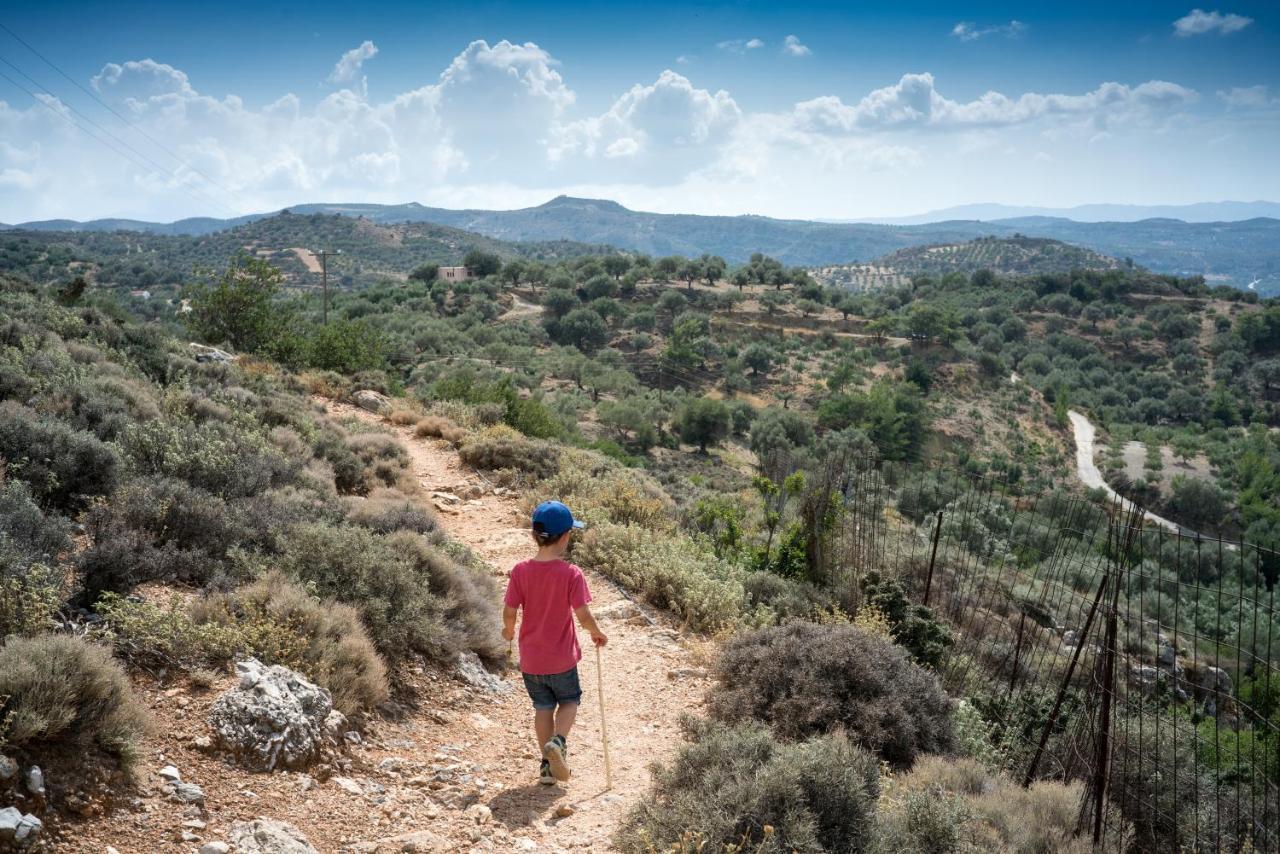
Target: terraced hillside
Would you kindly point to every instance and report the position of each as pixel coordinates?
(1013, 256)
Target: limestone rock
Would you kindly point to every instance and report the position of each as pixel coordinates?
(417, 842)
(188, 793)
(268, 836)
(215, 848)
(8, 769)
(35, 781)
(171, 774)
(274, 719)
(471, 671)
(371, 400)
(623, 609)
(17, 830)
(202, 353)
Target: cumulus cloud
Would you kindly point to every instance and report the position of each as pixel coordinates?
(1248, 97)
(792, 46)
(351, 61)
(658, 132)
(500, 122)
(1197, 22)
(740, 45)
(914, 102)
(967, 31)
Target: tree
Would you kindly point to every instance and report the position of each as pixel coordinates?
(704, 421)
(616, 265)
(425, 273)
(690, 272)
(1197, 503)
(558, 303)
(514, 271)
(741, 278)
(583, 328)
(808, 307)
(668, 266)
(239, 310)
(779, 430)
(671, 302)
(480, 263)
(713, 267)
(759, 358)
(600, 286)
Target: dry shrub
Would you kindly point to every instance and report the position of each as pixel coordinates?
(65, 692)
(325, 384)
(493, 450)
(470, 597)
(737, 786)
(403, 414)
(388, 510)
(335, 650)
(805, 679)
(956, 805)
(439, 427)
(383, 459)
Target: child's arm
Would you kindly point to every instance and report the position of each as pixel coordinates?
(508, 623)
(588, 622)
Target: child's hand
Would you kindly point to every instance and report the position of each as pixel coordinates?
(508, 633)
(599, 638)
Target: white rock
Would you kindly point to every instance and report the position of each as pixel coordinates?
(10, 818)
(371, 400)
(171, 774)
(471, 671)
(8, 769)
(35, 780)
(268, 836)
(215, 848)
(348, 785)
(275, 719)
(188, 793)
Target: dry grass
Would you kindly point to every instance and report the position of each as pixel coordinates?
(439, 427)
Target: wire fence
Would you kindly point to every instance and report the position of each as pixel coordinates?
(1139, 661)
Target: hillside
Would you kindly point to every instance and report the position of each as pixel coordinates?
(370, 251)
(1236, 253)
(1011, 256)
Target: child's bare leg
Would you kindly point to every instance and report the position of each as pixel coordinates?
(544, 725)
(566, 714)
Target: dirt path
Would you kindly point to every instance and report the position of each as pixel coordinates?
(521, 310)
(457, 766)
(649, 680)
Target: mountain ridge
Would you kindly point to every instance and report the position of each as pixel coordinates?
(1242, 253)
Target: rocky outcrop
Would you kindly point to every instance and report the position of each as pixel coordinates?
(268, 836)
(371, 400)
(274, 719)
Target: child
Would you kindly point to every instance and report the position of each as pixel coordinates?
(552, 591)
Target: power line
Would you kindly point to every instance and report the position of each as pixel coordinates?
(152, 164)
(116, 113)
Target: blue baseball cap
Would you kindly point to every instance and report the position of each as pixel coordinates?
(553, 519)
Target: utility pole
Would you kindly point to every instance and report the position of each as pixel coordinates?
(324, 255)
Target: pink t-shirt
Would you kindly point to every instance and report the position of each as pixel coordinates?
(549, 591)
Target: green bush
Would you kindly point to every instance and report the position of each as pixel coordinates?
(913, 626)
(737, 786)
(786, 599)
(63, 466)
(61, 691)
(805, 679)
(225, 459)
(160, 528)
(28, 533)
(671, 571)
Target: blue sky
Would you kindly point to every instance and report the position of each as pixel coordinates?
(802, 110)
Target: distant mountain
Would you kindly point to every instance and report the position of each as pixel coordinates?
(1014, 256)
(1240, 253)
(1198, 212)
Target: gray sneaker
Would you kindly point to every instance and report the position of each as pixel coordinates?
(544, 774)
(556, 754)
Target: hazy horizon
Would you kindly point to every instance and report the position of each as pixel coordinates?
(809, 111)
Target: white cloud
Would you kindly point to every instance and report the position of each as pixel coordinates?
(500, 126)
(1248, 97)
(351, 61)
(968, 31)
(740, 45)
(683, 59)
(657, 133)
(1198, 22)
(914, 102)
(792, 47)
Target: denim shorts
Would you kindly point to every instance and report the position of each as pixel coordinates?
(553, 690)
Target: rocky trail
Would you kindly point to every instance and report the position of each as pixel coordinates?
(454, 767)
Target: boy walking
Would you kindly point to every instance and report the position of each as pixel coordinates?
(552, 592)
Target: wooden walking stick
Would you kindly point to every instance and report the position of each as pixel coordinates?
(604, 729)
